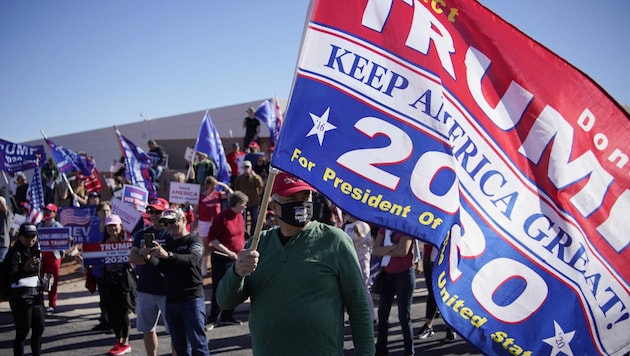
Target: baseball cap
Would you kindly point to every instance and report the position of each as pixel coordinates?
(286, 184)
(159, 204)
(113, 220)
(172, 214)
(247, 163)
(51, 207)
(94, 195)
(28, 230)
(253, 144)
(235, 145)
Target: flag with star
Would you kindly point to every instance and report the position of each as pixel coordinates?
(446, 123)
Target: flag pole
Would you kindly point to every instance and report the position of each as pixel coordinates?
(263, 207)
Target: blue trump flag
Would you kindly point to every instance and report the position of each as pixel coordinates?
(209, 142)
(68, 160)
(15, 157)
(138, 163)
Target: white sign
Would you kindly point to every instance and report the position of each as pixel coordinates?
(189, 155)
(128, 214)
(184, 193)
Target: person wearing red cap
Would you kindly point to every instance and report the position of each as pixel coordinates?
(301, 278)
(235, 161)
(151, 287)
(51, 260)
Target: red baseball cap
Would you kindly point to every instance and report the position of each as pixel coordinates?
(286, 184)
(159, 204)
(51, 207)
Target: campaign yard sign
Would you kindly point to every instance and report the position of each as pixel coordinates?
(53, 238)
(82, 221)
(127, 213)
(135, 196)
(105, 253)
(441, 120)
(184, 193)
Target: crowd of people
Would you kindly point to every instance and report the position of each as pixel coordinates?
(293, 276)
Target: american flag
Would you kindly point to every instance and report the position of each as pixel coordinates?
(34, 198)
(71, 216)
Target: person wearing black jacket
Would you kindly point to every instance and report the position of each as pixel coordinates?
(180, 261)
(26, 302)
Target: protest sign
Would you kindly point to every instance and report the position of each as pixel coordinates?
(53, 238)
(184, 193)
(106, 253)
(127, 213)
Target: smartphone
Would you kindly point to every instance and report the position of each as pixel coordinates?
(38, 254)
(148, 239)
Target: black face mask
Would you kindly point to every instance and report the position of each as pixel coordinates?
(297, 213)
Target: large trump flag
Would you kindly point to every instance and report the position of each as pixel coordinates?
(441, 120)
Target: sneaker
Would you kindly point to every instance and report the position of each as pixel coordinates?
(425, 332)
(120, 349)
(231, 322)
(50, 310)
(451, 336)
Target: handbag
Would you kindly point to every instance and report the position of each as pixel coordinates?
(378, 284)
(47, 282)
(90, 282)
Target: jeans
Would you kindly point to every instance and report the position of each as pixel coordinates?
(253, 215)
(400, 284)
(186, 322)
(220, 265)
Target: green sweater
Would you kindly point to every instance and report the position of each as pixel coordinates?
(299, 292)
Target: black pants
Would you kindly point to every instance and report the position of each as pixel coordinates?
(28, 314)
(220, 264)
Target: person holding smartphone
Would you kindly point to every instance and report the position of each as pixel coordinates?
(26, 302)
(151, 288)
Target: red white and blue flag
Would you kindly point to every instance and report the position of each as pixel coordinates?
(452, 126)
(69, 161)
(209, 142)
(35, 197)
(137, 165)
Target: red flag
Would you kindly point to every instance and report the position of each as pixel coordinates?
(93, 182)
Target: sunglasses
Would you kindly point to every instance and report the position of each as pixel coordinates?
(153, 211)
(168, 222)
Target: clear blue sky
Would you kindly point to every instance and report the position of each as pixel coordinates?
(75, 65)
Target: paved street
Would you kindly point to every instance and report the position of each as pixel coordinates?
(68, 332)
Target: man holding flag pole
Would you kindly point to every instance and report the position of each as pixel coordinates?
(300, 276)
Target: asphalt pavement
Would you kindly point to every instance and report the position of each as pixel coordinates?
(68, 330)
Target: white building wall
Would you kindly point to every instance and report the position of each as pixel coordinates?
(103, 145)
